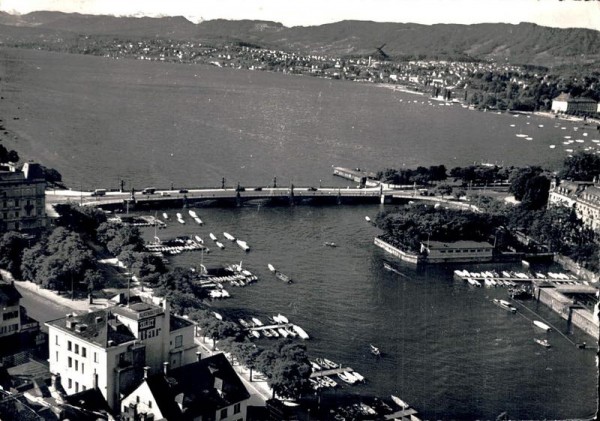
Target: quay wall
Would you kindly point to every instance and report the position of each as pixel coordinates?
(402, 255)
(570, 265)
(582, 318)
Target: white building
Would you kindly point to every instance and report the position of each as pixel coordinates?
(565, 103)
(584, 197)
(457, 251)
(109, 348)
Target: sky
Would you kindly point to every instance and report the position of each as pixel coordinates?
(557, 13)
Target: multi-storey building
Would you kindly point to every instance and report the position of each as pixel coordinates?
(109, 348)
(10, 310)
(22, 197)
(584, 197)
(565, 103)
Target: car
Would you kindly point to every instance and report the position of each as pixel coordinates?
(312, 189)
(258, 189)
(240, 188)
(183, 191)
(165, 193)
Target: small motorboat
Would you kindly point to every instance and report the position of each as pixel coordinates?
(329, 363)
(543, 342)
(367, 219)
(219, 244)
(192, 214)
(198, 220)
(165, 216)
(330, 244)
(399, 402)
(212, 236)
(255, 333)
(198, 239)
(346, 377)
(243, 245)
(217, 315)
(271, 267)
(374, 350)
(301, 332)
(280, 318)
(229, 236)
(359, 377)
(542, 325)
(283, 332)
(257, 322)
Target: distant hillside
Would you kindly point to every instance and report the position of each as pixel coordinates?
(524, 43)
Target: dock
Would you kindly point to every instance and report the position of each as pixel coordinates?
(277, 326)
(330, 372)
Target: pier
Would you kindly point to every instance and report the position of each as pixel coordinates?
(330, 372)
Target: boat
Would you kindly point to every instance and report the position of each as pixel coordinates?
(330, 363)
(180, 220)
(243, 245)
(274, 333)
(505, 305)
(165, 216)
(315, 366)
(255, 333)
(367, 219)
(399, 402)
(244, 323)
(219, 244)
(198, 239)
(271, 267)
(543, 342)
(283, 332)
(257, 322)
(346, 378)
(198, 220)
(329, 382)
(473, 282)
(280, 318)
(266, 333)
(212, 236)
(290, 331)
(217, 315)
(229, 236)
(374, 350)
(301, 332)
(283, 277)
(193, 214)
(330, 244)
(542, 325)
(178, 215)
(359, 377)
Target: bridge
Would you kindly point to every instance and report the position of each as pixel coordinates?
(237, 197)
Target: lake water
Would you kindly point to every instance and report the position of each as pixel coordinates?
(447, 349)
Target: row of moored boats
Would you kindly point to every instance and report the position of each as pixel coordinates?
(279, 326)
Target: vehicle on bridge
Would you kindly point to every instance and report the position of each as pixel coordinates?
(149, 190)
(99, 192)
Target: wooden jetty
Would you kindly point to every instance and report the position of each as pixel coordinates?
(330, 372)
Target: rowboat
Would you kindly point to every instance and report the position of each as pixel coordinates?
(541, 325)
(243, 245)
(192, 213)
(543, 342)
(375, 350)
(301, 332)
(271, 267)
(257, 322)
(212, 236)
(346, 378)
(283, 332)
(229, 236)
(280, 318)
(219, 244)
(198, 239)
(399, 402)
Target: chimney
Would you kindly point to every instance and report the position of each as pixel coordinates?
(166, 368)
(198, 355)
(146, 369)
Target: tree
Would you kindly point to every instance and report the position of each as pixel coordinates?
(444, 189)
(519, 178)
(12, 245)
(581, 166)
(536, 192)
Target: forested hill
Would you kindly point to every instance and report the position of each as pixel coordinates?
(524, 43)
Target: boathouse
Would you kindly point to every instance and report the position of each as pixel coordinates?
(457, 251)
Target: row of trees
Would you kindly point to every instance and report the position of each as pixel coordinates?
(421, 175)
(8, 155)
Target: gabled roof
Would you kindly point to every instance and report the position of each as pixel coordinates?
(89, 400)
(194, 387)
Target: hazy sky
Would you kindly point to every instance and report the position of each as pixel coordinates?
(565, 13)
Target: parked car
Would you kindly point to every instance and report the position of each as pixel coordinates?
(183, 191)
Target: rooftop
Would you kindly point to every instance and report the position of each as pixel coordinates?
(9, 295)
(463, 244)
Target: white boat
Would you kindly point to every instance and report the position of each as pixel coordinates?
(198, 239)
(290, 331)
(329, 363)
(541, 325)
(198, 220)
(473, 282)
(219, 244)
(212, 236)
(367, 219)
(255, 333)
(244, 323)
(271, 267)
(521, 135)
(351, 376)
(301, 332)
(329, 382)
(192, 214)
(243, 245)
(165, 216)
(217, 315)
(505, 305)
(315, 366)
(257, 322)
(344, 377)
(400, 402)
(358, 376)
(274, 333)
(374, 350)
(283, 332)
(543, 342)
(266, 333)
(280, 318)
(229, 236)
(178, 215)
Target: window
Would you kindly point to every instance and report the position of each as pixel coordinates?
(82, 368)
(56, 355)
(76, 348)
(236, 408)
(223, 413)
(70, 363)
(83, 387)
(149, 404)
(76, 365)
(95, 357)
(69, 345)
(83, 352)
(137, 399)
(56, 339)
(76, 387)
(178, 341)
(70, 383)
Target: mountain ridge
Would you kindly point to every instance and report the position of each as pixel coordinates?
(523, 43)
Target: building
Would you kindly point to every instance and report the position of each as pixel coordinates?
(565, 103)
(584, 197)
(10, 309)
(22, 197)
(109, 348)
(208, 389)
(457, 251)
